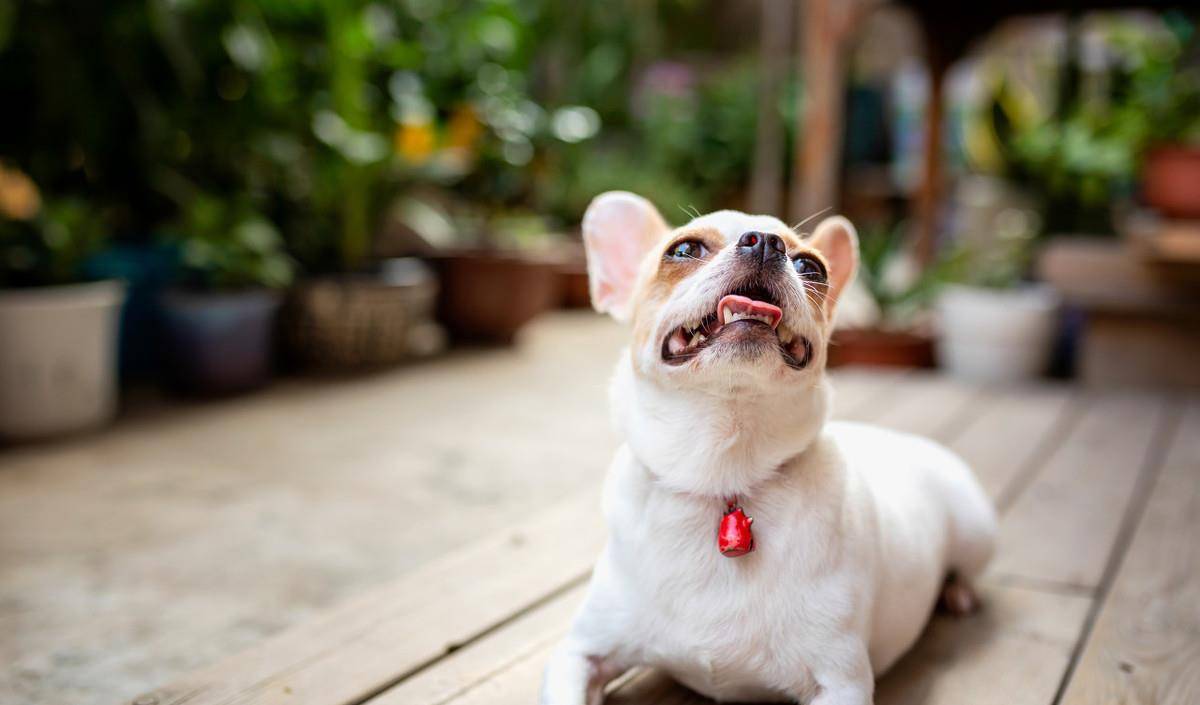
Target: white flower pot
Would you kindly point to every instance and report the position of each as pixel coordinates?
(58, 358)
(996, 335)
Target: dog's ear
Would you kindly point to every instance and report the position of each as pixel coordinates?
(837, 242)
(618, 229)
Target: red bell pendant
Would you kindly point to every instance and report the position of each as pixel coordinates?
(734, 537)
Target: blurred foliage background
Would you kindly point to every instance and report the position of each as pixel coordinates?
(315, 115)
(330, 120)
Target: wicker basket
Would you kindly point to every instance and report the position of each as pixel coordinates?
(357, 322)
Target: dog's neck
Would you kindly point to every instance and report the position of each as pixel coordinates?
(719, 445)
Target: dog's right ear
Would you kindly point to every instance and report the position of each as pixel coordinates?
(619, 228)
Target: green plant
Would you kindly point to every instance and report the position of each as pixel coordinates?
(322, 112)
(903, 291)
(227, 245)
(900, 288)
(1088, 147)
(52, 246)
(706, 137)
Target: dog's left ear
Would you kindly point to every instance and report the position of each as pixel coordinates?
(837, 242)
(618, 229)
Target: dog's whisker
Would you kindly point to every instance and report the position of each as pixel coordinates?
(797, 226)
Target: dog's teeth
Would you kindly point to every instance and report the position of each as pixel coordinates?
(727, 315)
(676, 343)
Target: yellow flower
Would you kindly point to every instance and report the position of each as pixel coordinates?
(414, 141)
(464, 128)
(19, 199)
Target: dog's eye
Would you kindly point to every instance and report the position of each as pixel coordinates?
(688, 249)
(810, 268)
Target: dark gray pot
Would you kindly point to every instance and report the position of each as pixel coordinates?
(220, 343)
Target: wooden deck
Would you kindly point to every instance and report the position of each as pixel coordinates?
(1094, 595)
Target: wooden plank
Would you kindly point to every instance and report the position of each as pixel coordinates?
(1012, 653)
(926, 404)
(1145, 647)
(1012, 435)
(856, 388)
(1063, 526)
(519, 683)
(371, 643)
(463, 670)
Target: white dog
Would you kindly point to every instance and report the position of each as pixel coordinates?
(723, 402)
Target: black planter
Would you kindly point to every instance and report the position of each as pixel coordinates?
(219, 343)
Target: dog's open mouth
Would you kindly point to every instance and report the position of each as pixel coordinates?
(750, 311)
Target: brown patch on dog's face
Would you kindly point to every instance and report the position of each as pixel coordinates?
(666, 272)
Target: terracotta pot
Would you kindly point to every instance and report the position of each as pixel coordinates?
(355, 322)
(220, 343)
(1171, 180)
(489, 296)
(869, 346)
(575, 285)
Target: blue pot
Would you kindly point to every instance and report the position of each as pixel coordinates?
(219, 343)
(147, 271)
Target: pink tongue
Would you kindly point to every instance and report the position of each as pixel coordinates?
(748, 306)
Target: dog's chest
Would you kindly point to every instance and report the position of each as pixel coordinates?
(724, 626)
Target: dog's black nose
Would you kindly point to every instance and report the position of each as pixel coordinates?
(762, 247)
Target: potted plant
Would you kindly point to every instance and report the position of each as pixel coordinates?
(500, 272)
(884, 317)
(1134, 113)
(58, 332)
(219, 323)
(994, 324)
(330, 165)
(1163, 111)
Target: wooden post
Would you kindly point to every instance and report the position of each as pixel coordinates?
(826, 25)
(928, 205)
(766, 183)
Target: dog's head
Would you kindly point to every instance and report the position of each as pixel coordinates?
(728, 299)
